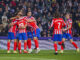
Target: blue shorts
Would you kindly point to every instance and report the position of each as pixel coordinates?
(67, 36)
(11, 36)
(57, 37)
(22, 36)
(29, 35)
(37, 34)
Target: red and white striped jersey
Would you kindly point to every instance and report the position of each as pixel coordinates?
(20, 24)
(14, 27)
(31, 24)
(69, 23)
(58, 24)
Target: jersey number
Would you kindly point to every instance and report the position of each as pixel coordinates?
(59, 25)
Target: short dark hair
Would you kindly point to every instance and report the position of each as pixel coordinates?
(28, 11)
(66, 13)
(57, 15)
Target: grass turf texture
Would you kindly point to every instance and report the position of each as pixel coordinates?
(43, 55)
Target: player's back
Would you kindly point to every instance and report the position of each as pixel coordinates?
(58, 23)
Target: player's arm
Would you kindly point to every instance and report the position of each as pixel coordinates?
(69, 26)
(17, 16)
(31, 20)
(64, 24)
(52, 23)
(12, 18)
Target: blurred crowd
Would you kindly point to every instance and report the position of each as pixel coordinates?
(42, 10)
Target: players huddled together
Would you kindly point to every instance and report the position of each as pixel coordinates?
(25, 28)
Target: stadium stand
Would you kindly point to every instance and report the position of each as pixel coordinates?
(43, 11)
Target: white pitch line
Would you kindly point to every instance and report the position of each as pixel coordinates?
(27, 58)
(71, 52)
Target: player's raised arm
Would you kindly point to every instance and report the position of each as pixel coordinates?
(52, 23)
(14, 17)
(19, 14)
(30, 20)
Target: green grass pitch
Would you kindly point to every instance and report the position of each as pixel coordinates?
(43, 55)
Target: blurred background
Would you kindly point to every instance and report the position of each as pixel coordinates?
(43, 11)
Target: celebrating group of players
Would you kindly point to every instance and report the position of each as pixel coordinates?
(25, 28)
